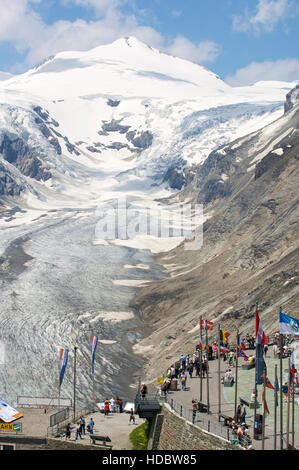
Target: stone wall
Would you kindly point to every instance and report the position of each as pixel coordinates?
(176, 433)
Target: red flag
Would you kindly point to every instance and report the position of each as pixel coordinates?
(268, 383)
(261, 338)
(206, 325)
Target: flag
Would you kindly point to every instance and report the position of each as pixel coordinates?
(224, 350)
(268, 383)
(242, 354)
(265, 403)
(292, 370)
(93, 351)
(64, 354)
(288, 325)
(260, 363)
(224, 335)
(261, 338)
(277, 390)
(206, 325)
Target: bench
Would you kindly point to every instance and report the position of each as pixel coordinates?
(227, 420)
(249, 403)
(101, 439)
(202, 407)
(228, 383)
(248, 366)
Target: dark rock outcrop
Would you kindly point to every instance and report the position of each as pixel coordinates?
(292, 99)
(28, 161)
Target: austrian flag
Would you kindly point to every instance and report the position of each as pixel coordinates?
(206, 325)
(261, 338)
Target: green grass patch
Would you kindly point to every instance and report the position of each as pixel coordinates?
(139, 437)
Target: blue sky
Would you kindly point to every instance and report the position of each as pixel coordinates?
(243, 41)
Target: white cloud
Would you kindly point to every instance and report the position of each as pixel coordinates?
(24, 28)
(268, 14)
(203, 51)
(282, 70)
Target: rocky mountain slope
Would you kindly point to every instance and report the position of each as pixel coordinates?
(249, 190)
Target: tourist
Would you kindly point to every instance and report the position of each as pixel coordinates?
(82, 422)
(243, 414)
(112, 405)
(238, 414)
(68, 432)
(132, 417)
(120, 401)
(91, 426)
(285, 391)
(183, 361)
(183, 379)
(194, 409)
(106, 407)
(190, 369)
(78, 431)
(143, 391)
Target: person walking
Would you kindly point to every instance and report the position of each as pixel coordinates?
(183, 379)
(143, 391)
(91, 426)
(68, 432)
(82, 424)
(78, 431)
(132, 416)
(243, 414)
(190, 369)
(106, 407)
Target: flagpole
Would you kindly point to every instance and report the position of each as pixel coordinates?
(207, 362)
(219, 377)
(264, 410)
(200, 359)
(255, 375)
(75, 365)
(275, 407)
(236, 386)
(293, 413)
(281, 401)
(288, 413)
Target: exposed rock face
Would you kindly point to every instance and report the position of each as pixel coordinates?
(113, 103)
(141, 141)
(8, 185)
(27, 160)
(250, 245)
(292, 99)
(175, 178)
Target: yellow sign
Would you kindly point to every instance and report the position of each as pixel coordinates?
(6, 427)
(160, 380)
(10, 427)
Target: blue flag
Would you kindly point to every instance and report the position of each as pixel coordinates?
(64, 353)
(277, 390)
(260, 364)
(288, 325)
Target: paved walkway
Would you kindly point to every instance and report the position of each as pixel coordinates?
(116, 426)
(245, 387)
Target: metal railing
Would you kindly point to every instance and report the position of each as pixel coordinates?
(206, 422)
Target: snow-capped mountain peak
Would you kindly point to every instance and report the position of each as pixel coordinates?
(126, 110)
